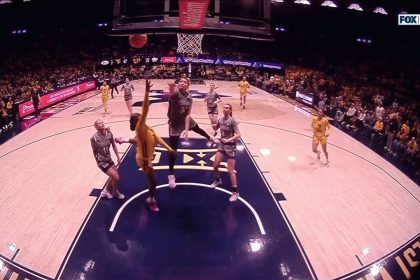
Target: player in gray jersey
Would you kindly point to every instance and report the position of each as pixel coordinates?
(180, 121)
(101, 142)
(128, 89)
(227, 148)
(211, 99)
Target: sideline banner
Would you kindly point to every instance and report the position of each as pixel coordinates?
(169, 59)
(269, 65)
(144, 60)
(54, 97)
(192, 13)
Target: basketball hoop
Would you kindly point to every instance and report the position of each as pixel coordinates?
(189, 44)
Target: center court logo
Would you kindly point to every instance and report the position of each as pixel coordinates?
(409, 19)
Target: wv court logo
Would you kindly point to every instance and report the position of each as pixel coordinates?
(407, 19)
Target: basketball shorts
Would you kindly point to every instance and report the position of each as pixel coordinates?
(228, 150)
(105, 165)
(212, 110)
(128, 97)
(319, 139)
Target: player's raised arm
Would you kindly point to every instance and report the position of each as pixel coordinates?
(172, 90)
(164, 144)
(146, 102)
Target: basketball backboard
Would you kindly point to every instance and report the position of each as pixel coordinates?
(240, 18)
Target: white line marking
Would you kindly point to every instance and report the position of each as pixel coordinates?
(117, 215)
(22, 268)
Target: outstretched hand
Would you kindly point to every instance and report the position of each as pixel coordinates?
(148, 85)
(119, 140)
(184, 134)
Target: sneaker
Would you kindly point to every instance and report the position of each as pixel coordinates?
(106, 194)
(119, 195)
(216, 183)
(151, 202)
(327, 163)
(234, 197)
(171, 182)
(318, 156)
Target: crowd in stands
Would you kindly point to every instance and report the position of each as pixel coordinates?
(370, 92)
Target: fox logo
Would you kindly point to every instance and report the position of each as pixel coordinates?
(408, 19)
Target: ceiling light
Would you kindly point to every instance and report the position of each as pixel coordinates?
(329, 4)
(354, 6)
(380, 10)
(303, 2)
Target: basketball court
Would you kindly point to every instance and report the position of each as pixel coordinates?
(296, 218)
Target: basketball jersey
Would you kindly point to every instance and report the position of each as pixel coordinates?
(211, 99)
(243, 86)
(179, 107)
(102, 145)
(228, 127)
(319, 126)
(104, 90)
(127, 89)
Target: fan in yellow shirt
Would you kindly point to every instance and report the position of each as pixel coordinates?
(321, 129)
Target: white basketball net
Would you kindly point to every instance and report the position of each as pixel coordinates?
(189, 43)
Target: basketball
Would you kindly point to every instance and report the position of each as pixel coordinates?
(137, 41)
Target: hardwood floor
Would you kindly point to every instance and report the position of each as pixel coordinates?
(48, 172)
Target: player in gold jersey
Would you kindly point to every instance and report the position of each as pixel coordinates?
(145, 141)
(104, 90)
(321, 128)
(243, 91)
